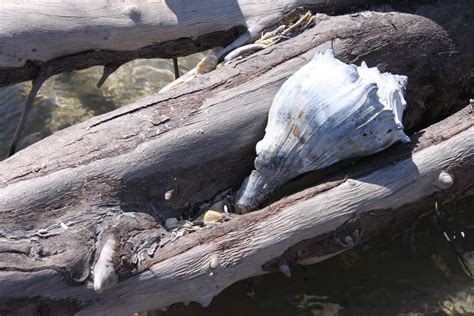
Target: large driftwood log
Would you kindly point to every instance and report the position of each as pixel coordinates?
(105, 179)
(97, 30)
(307, 227)
(59, 36)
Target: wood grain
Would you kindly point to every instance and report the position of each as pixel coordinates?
(108, 176)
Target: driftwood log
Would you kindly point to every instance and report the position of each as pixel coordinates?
(59, 36)
(103, 182)
(96, 32)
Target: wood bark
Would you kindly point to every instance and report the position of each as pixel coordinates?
(105, 179)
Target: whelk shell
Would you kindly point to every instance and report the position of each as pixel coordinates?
(326, 112)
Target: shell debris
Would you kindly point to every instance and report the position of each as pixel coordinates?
(238, 50)
(42, 231)
(169, 195)
(217, 210)
(173, 223)
(214, 261)
(213, 264)
(209, 217)
(445, 180)
(104, 273)
(285, 269)
(268, 39)
(196, 218)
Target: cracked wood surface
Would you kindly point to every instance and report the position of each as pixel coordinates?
(130, 154)
(99, 177)
(306, 228)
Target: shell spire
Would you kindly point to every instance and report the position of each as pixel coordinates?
(326, 112)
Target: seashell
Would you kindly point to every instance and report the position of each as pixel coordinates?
(285, 269)
(209, 217)
(212, 217)
(169, 195)
(326, 112)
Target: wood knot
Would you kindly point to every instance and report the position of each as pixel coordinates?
(133, 13)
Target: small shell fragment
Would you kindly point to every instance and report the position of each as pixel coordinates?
(214, 262)
(349, 241)
(285, 269)
(209, 217)
(445, 180)
(104, 272)
(169, 195)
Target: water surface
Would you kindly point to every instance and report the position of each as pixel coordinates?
(72, 97)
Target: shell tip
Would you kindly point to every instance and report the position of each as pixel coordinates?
(252, 192)
(329, 53)
(405, 139)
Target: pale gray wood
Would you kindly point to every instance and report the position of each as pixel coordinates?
(403, 183)
(67, 35)
(98, 178)
(186, 276)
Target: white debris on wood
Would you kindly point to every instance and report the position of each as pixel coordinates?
(104, 271)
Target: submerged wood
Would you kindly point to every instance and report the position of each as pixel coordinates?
(68, 197)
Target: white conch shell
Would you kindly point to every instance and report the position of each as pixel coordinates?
(325, 112)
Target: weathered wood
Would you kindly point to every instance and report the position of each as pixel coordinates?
(100, 178)
(231, 104)
(58, 36)
(61, 36)
(198, 266)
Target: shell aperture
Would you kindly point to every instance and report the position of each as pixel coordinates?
(326, 112)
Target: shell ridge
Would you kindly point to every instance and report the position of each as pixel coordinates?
(327, 111)
(291, 149)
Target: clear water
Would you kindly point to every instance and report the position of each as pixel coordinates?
(415, 272)
(72, 97)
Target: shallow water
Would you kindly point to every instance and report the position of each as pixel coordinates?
(413, 273)
(69, 98)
